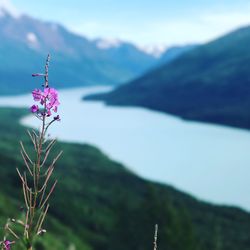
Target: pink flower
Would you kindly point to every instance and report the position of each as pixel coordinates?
(34, 108)
(7, 244)
(49, 113)
(48, 99)
(51, 95)
(37, 95)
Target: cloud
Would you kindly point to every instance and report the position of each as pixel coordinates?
(200, 28)
(7, 6)
(227, 20)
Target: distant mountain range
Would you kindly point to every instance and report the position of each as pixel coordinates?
(76, 60)
(25, 42)
(209, 83)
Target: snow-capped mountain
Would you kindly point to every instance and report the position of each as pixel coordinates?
(154, 50)
(108, 43)
(6, 7)
(76, 60)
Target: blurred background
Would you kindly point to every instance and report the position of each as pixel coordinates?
(155, 100)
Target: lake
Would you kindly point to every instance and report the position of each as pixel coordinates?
(208, 161)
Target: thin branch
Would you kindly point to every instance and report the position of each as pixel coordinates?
(30, 205)
(26, 222)
(22, 179)
(41, 199)
(42, 219)
(26, 163)
(34, 133)
(50, 145)
(50, 192)
(25, 152)
(12, 232)
(54, 161)
(47, 178)
(47, 151)
(46, 76)
(25, 197)
(155, 236)
(27, 187)
(33, 139)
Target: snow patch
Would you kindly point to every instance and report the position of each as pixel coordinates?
(32, 38)
(7, 8)
(108, 43)
(154, 50)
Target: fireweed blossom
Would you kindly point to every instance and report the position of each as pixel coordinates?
(34, 108)
(37, 181)
(6, 245)
(48, 99)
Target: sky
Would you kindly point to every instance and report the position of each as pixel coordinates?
(143, 22)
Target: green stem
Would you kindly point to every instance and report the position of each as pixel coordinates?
(36, 174)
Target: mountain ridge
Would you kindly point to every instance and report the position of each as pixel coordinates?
(77, 61)
(209, 83)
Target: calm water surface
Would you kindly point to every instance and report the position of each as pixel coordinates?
(208, 161)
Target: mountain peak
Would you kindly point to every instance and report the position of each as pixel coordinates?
(8, 9)
(108, 43)
(154, 50)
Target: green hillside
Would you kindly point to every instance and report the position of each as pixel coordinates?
(209, 83)
(100, 205)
